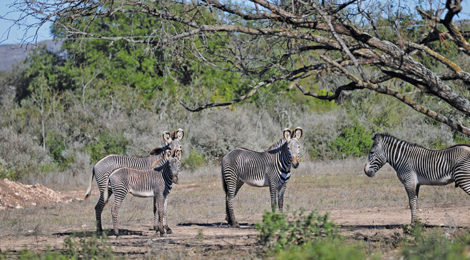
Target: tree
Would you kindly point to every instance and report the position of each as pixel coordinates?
(415, 54)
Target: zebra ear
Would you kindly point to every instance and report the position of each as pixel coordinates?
(286, 133)
(166, 137)
(178, 134)
(298, 132)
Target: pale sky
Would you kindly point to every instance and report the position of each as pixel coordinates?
(17, 34)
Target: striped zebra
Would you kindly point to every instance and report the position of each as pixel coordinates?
(154, 183)
(103, 168)
(260, 169)
(416, 165)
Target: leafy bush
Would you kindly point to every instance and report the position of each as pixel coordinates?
(355, 140)
(83, 248)
(326, 248)
(194, 160)
(107, 143)
(435, 245)
(56, 145)
(282, 230)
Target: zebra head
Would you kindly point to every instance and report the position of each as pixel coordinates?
(174, 160)
(293, 144)
(376, 158)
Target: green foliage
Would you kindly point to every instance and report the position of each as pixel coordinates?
(91, 248)
(194, 160)
(7, 172)
(435, 245)
(281, 230)
(107, 143)
(56, 145)
(83, 248)
(326, 248)
(354, 140)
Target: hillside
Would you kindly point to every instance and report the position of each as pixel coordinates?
(12, 54)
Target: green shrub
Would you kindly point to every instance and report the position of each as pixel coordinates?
(91, 248)
(355, 140)
(326, 248)
(7, 171)
(282, 230)
(74, 248)
(107, 143)
(435, 245)
(194, 160)
(56, 145)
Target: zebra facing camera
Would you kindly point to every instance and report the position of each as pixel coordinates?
(179, 134)
(298, 132)
(287, 134)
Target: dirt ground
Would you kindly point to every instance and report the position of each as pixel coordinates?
(371, 210)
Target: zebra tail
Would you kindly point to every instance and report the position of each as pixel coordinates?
(88, 191)
(106, 194)
(224, 185)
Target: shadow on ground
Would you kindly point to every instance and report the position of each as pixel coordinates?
(215, 224)
(107, 232)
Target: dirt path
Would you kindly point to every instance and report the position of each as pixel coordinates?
(214, 239)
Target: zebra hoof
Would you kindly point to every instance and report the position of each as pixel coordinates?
(235, 225)
(162, 234)
(169, 231)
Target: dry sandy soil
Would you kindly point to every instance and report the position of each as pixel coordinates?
(373, 210)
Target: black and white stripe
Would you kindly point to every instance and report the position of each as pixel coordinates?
(156, 183)
(260, 169)
(416, 165)
(103, 168)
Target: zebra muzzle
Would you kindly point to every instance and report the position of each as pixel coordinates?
(295, 162)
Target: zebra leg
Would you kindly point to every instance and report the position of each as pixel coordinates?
(280, 199)
(98, 210)
(155, 227)
(273, 193)
(165, 224)
(160, 203)
(230, 194)
(115, 212)
(411, 190)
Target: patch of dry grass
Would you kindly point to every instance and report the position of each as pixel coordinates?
(199, 199)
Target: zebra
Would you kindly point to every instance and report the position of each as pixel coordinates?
(103, 168)
(260, 169)
(154, 183)
(416, 165)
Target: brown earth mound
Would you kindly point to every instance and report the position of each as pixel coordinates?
(18, 195)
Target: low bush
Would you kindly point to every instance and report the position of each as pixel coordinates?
(107, 143)
(435, 244)
(354, 140)
(74, 248)
(282, 230)
(326, 248)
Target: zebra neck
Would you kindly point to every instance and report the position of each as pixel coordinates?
(285, 162)
(167, 177)
(395, 152)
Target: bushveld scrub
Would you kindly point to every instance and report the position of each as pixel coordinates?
(435, 244)
(280, 230)
(73, 248)
(299, 235)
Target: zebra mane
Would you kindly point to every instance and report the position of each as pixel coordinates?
(389, 136)
(158, 150)
(277, 145)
